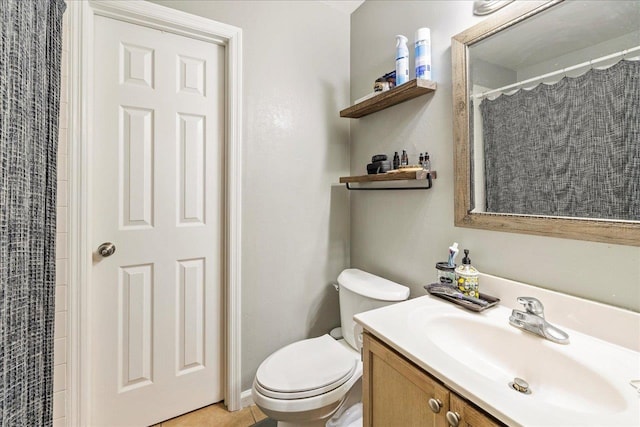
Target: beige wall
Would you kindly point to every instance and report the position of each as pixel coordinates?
(402, 234)
(295, 223)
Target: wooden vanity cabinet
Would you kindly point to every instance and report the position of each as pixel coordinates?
(468, 415)
(395, 392)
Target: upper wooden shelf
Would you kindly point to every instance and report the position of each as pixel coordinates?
(398, 94)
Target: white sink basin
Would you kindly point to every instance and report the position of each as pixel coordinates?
(477, 354)
(501, 352)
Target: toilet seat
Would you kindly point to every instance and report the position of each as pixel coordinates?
(306, 369)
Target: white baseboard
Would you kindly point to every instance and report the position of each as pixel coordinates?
(246, 399)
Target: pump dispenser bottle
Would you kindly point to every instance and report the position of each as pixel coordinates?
(402, 60)
(467, 277)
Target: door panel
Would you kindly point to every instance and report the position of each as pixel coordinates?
(191, 167)
(136, 326)
(136, 167)
(156, 193)
(190, 348)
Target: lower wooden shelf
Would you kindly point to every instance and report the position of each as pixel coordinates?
(420, 176)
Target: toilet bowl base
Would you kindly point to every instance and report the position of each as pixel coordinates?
(317, 417)
(314, 418)
(316, 423)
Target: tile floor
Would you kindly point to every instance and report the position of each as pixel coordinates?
(216, 416)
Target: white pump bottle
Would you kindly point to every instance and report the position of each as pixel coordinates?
(402, 60)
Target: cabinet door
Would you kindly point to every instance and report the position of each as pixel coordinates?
(396, 393)
(468, 415)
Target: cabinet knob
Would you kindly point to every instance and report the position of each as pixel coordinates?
(435, 405)
(453, 418)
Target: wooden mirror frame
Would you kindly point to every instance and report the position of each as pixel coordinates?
(596, 230)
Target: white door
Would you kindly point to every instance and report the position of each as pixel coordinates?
(157, 195)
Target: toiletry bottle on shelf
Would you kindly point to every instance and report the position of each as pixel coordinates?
(404, 160)
(421, 159)
(426, 163)
(402, 60)
(467, 277)
(396, 160)
(423, 53)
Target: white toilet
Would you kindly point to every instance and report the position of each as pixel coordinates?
(309, 381)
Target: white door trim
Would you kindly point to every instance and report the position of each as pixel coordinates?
(80, 64)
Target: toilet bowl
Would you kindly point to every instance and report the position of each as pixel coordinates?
(307, 382)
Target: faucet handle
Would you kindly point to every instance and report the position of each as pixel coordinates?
(532, 305)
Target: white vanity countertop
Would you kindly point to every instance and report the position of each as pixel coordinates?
(476, 355)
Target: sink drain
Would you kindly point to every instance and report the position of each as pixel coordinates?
(520, 385)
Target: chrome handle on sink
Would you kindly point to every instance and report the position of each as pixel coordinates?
(435, 405)
(532, 305)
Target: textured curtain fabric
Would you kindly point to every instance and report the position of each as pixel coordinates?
(30, 50)
(567, 149)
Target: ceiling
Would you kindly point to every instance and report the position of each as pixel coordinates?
(346, 6)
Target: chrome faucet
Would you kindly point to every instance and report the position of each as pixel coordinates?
(532, 320)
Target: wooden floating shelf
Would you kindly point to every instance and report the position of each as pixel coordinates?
(393, 176)
(421, 175)
(404, 92)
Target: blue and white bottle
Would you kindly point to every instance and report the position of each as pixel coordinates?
(423, 53)
(402, 60)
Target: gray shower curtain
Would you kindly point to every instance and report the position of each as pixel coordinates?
(567, 149)
(30, 51)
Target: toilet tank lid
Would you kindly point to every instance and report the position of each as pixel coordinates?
(372, 286)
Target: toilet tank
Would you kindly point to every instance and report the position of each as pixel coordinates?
(361, 291)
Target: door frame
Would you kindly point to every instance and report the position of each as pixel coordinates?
(80, 66)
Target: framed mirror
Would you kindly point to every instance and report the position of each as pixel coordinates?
(546, 98)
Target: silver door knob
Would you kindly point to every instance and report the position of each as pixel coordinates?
(106, 249)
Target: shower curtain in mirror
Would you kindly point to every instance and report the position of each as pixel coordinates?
(567, 149)
(30, 51)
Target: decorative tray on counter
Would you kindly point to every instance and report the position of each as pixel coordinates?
(456, 298)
